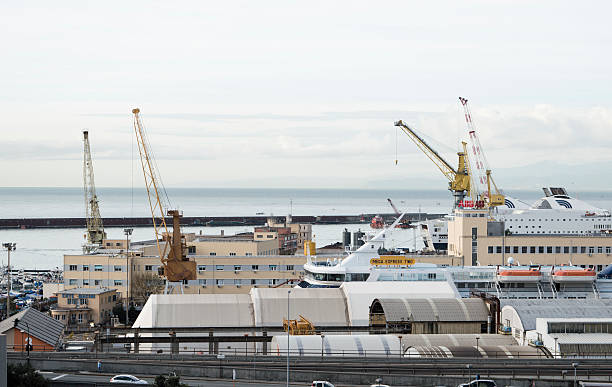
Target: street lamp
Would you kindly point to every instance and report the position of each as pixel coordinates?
(10, 246)
(400, 347)
(322, 338)
(127, 232)
(556, 338)
(288, 326)
(575, 365)
(477, 348)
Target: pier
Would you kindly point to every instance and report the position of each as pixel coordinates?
(204, 221)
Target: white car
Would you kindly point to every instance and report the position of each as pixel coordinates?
(127, 379)
(321, 383)
(479, 383)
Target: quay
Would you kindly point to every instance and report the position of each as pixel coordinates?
(204, 221)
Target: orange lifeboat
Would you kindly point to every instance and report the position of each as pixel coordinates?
(377, 222)
(568, 275)
(519, 275)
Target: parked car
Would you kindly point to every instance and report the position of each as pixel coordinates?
(319, 383)
(479, 383)
(127, 379)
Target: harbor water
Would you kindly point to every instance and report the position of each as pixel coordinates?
(44, 248)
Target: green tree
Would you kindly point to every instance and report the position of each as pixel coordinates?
(23, 375)
(169, 381)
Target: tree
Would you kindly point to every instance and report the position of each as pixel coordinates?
(145, 284)
(23, 375)
(169, 381)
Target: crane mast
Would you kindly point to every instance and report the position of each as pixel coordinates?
(176, 267)
(483, 177)
(393, 206)
(95, 228)
(459, 179)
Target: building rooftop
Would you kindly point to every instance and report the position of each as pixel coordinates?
(434, 309)
(86, 291)
(529, 310)
(39, 325)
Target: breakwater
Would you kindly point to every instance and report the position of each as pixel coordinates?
(204, 221)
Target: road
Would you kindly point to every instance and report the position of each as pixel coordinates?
(102, 378)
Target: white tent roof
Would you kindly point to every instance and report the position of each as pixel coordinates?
(359, 295)
(322, 306)
(196, 310)
(337, 345)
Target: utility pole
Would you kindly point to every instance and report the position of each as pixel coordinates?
(127, 232)
(10, 246)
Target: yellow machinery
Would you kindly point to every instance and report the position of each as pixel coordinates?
(303, 326)
(459, 179)
(176, 267)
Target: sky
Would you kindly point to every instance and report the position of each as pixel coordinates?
(305, 94)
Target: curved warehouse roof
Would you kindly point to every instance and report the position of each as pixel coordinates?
(337, 345)
(359, 295)
(434, 309)
(322, 306)
(196, 310)
(528, 310)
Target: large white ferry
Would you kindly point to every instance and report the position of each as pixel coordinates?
(555, 213)
(372, 262)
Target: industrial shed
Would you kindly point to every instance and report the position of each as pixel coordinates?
(501, 351)
(323, 307)
(337, 345)
(520, 315)
(360, 295)
(429, 315)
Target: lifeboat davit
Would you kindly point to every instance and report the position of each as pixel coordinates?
(519, 275)
(581, 275)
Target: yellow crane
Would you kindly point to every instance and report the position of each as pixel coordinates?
(459, 179)
(176, 267)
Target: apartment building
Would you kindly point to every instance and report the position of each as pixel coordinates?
(286, 239)
(479, 240)
(81, 306)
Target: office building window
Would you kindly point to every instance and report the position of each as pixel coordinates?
(574, 249)
(273, 268)
(599, 249)
(232, 254)
(202, 282)
(73, 282)
(289, 267)
(490, 249)
(85, 282)
(201, 267)
(98, 268)
(117, 268)
(498, 249)
(118, 282)
(219, 267)
(524, 249)
(219, 282)
(191, 249)
(255, 267)
(148, 267)
(541, 249)
(73, 268)
(532, 249)
(607, 249)
(591, 249)
(85, 267)
(237, 268)
(237, 282)
(97, 282)
(213, 253)
(515, 249)
(248, 254)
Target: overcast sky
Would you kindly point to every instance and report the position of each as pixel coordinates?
(301, 94)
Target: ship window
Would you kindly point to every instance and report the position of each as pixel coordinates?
(557, 249)
(515, 249)
(524, 249)
(582, 249)
(599, 250)
(532, 249)
(565, 249)
(574, 249)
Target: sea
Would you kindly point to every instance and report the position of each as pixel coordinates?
(45, 248)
